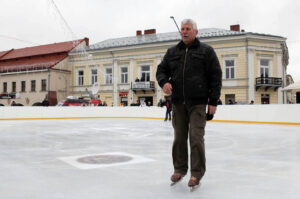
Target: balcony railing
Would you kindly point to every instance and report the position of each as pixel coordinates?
(143, 86)
(268, 82)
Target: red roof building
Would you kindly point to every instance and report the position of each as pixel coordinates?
(37, 57)
(28, 75)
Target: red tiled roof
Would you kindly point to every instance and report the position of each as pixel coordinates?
(3, 53)
(35, 63)
(37, 57)
(42, 50)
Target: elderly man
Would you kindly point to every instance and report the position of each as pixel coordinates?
(190, 72)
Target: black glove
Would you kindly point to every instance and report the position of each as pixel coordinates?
(209, 116)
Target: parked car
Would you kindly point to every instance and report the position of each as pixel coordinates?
(75, 101)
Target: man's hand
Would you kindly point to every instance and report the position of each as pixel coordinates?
(212, 109)
(167, 88)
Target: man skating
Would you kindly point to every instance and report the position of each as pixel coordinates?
(190, 72)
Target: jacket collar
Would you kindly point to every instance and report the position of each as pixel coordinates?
(195, 44)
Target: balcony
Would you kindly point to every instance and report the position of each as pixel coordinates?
(143, 86)
(268, 82)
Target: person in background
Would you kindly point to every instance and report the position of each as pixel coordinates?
(143, 104)
(13, 103)
(45, 102)
(138, 102)
(160, 103)
(168, 104)
(190, 72)
(220, 102)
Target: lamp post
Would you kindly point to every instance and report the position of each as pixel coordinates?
(175, 23)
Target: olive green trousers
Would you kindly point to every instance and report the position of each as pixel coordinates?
(189, 122)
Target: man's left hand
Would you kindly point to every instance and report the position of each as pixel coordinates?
(212, 109)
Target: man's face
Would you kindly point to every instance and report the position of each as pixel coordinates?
(188, 33)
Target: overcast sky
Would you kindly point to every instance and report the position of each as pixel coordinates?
(37, 22)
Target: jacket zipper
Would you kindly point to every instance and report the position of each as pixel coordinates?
(186, 51)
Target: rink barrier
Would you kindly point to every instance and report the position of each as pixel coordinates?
(256, 122)
(286, 114)
(153, 118)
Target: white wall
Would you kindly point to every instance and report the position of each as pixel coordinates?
(288, 113)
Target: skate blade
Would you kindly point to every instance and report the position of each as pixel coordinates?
(194, 188)
(174, 183)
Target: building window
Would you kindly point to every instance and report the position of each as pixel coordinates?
(23, 86)
(265, 99)
(44, 85)
(264, 67)
(4, 87)
(145, 73)
(13, 87)
(229, 69)
(108, 75)
(80, 77)
(124, 75)
(94, 76)
(32, 85)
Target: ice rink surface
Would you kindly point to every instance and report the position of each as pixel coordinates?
(131, 158)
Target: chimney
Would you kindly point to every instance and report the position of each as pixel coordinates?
(138, 33)
(149, 31)
(235, 27)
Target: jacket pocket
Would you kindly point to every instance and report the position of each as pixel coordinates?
(198, 56)
(175, 58)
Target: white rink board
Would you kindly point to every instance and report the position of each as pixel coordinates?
(259, 113)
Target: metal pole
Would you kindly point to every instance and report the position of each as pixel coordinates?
(175, 23)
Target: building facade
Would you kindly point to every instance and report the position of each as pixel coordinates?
(254, 66)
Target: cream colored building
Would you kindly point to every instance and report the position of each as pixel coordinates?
(254, 66)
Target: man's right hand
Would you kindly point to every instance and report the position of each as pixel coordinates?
(167, 88)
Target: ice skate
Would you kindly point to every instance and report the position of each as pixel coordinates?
(193, 183)
(176, 177)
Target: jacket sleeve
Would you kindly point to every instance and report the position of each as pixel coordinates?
(214, 78)
(163, 71)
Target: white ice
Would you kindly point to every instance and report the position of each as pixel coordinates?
(244, 161)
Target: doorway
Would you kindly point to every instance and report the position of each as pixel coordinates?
(265, 99)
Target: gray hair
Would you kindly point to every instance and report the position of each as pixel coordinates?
(189, 21)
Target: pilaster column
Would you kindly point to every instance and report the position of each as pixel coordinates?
(131, 79)
(280, 73)
(115, 82)
(251, 82)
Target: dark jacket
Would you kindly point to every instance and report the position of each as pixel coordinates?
(194, 73)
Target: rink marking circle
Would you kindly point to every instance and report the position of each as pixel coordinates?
(104, 159)
(94, 161)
